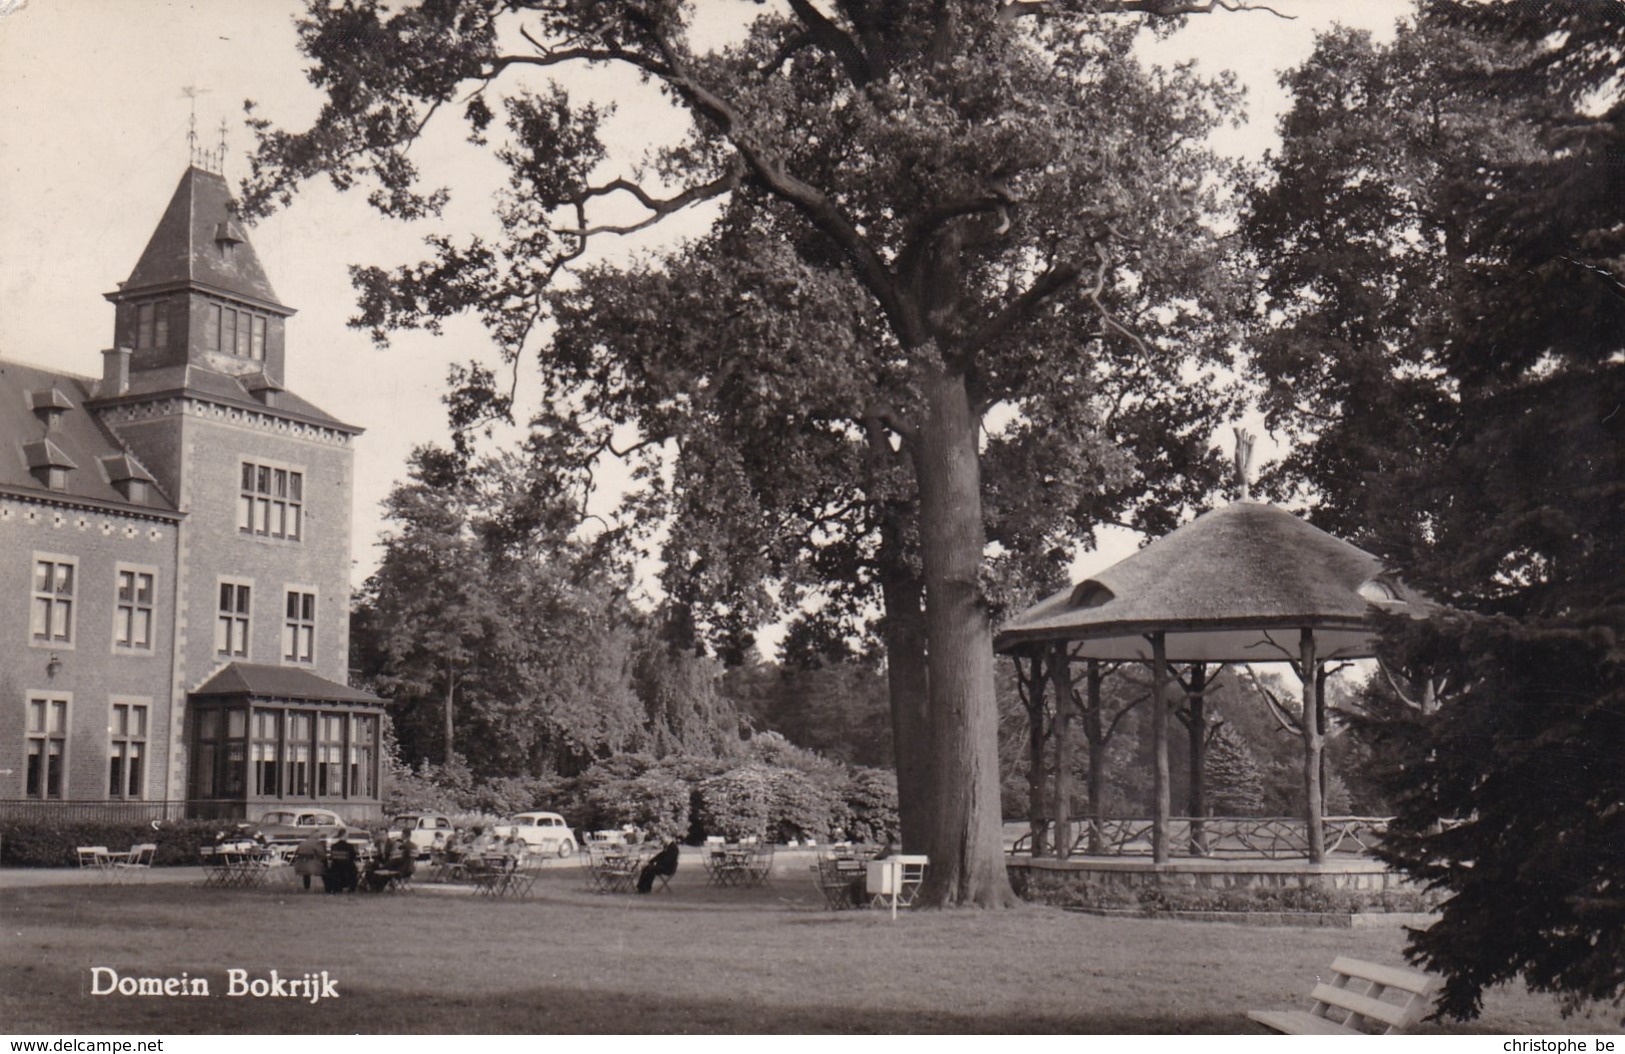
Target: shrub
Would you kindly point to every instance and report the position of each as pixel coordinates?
(52, 843)
(871, 806)
(506, 795)
(633, 789)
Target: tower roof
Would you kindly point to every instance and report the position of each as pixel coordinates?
(1230, 586)
(200, 243)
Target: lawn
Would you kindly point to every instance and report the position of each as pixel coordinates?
(696, 959)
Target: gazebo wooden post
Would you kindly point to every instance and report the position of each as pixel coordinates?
(1313, 743)
(1061, 679)
(1159, 732)
(1097, 759)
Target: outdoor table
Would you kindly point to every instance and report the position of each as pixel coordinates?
(898, 877)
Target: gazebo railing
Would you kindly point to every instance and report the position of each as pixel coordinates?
(1220, 837)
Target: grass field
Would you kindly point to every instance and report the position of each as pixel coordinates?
(696, 959)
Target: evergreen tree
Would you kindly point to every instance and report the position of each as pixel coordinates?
(1235, 779)
(1473, 170)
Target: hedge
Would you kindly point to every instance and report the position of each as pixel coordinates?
(53, 843)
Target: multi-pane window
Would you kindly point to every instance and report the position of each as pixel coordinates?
(330, 755)
(47, 744)
(51, 616)
(132, 611)
(231, 625)
(151, 325)
(240, 333)
(298, 755)
(127, 751)
(272, 502)
(363, 747)
(221, 753)
(299, 627)
(263, 751)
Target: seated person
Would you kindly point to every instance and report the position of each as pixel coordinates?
(342, 875)
(662, 863)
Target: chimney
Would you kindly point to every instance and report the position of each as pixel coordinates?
(115, 373)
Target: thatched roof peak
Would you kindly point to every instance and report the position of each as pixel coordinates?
(1234, 585)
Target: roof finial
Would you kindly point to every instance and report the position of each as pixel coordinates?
(194, 156)
(220, 161)
(1244, 462)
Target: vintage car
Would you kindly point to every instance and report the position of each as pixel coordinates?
(542, 831)
(421, 827)
(292, 826)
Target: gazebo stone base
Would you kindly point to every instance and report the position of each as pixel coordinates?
(1357, 884)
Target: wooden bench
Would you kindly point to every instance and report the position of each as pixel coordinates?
(1362, 999)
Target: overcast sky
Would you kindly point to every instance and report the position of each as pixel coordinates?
(93, 140)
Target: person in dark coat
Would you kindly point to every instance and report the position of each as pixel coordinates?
(342, 875)
(662, 863)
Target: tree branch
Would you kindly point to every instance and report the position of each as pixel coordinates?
(659, 208)
(1017, 311)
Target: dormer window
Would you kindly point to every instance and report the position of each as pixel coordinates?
(48, 464)
(129, 478)
(228, 236)
(50, 407)
(1091, 594)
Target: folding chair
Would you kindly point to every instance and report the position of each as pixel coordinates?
(93, 857)
(137, 862)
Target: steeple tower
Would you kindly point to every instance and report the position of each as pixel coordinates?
(198, 295)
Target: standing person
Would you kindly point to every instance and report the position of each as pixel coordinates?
(310, 859)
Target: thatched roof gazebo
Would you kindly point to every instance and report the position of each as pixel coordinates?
(1245, 583)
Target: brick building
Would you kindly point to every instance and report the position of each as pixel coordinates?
(175, 555)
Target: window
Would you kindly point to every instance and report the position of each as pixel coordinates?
(47, 744)
(143, 325)
(132, 614)
(263, 751)
(299, 627)
(363, 751)
(239, 333)
(231, 626)
(330, 755)
(51, 616)
(161, 330)
(127, 750)
(272, 502)
(298, 755)
(221, 757)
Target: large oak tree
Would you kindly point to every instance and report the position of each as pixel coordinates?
(954, 235)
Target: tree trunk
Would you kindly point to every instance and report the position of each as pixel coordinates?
(966, 848)
(1061, 674)
(1312, 745)
(451, 693)
(904, 634)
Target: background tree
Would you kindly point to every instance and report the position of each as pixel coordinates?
(991, 191)
(1485, 142)
(1235, 779)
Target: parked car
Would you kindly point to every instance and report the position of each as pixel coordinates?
(292, 826)
(543, 831)
(421, 827)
